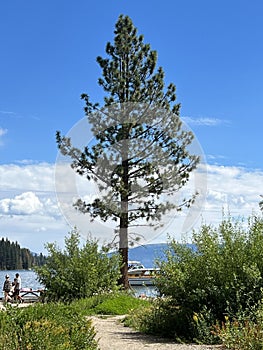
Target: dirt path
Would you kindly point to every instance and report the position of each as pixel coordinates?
(112, 335)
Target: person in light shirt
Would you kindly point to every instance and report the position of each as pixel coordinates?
(17, 288)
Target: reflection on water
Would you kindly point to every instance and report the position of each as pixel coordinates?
(145, 291)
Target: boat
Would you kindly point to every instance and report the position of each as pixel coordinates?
(139, 275)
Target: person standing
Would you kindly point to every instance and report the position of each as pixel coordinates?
(7, 288)
(17, 288)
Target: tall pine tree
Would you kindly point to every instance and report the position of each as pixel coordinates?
(141, 154)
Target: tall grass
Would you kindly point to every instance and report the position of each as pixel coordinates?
(59, 326)
(45, 326)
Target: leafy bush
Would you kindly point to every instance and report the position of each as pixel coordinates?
(220, 274)
(77, 272)
(243, 331)
(61, 326)
(119, 304)
(154, 318)
(47, 327)
(166, 320)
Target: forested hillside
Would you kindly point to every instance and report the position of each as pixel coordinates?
(12, 257)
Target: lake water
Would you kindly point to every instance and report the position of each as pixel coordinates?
(29, 280)
(147, 291)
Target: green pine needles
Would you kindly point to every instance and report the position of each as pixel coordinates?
(140, 155)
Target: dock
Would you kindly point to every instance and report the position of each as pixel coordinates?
(141, 281)
(28, 295)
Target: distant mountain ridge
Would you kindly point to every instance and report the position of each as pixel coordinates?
(147, 254)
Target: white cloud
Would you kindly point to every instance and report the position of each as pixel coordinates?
(232, 189)
(29, 212)
(32, 177)
(204, 121)
(26, 203)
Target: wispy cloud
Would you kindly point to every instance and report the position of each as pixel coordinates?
(2, 132)
(205, 121)
(215, 157)
(27, 162)
(7, 113)
(14, 115)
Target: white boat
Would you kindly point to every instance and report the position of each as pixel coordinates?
(139, 275)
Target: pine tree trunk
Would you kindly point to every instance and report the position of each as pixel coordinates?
(123, 246)
(124, 216)
(124, 281)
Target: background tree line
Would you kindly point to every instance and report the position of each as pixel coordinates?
(13, 257)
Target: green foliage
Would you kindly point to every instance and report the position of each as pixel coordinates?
(120, 304)
(116, 303)
(77, 272)
(221, 274)
(141, 150)
(47, 327)
(244, 331)
(61, 326)
(161, 317)
(13, 257)
(154, 318)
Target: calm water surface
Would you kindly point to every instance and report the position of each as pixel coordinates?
(148, 291)
(29, 280)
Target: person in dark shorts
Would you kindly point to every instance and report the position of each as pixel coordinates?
(7, 288)
(17, 287)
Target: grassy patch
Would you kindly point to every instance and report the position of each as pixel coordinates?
(120, 304)
(108, 304)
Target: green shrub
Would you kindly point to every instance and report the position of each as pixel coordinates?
(163, 318)
(222, 273)
(78, 272)
(244, 331)
(45, 327)
(242, 334)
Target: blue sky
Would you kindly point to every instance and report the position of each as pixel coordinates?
(212, 52)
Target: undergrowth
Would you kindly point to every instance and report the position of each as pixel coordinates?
(60, 326)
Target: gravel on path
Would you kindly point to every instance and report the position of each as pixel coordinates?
(112, 335)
